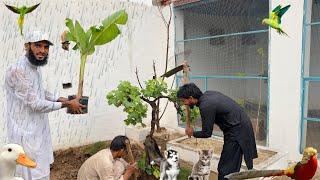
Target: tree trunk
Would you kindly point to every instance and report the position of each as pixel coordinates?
(158, 120)
(158, 125)
(153, 118)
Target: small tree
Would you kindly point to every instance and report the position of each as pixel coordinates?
(132, 98)
(86, 41)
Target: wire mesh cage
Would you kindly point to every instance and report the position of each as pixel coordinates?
(311, 77)
(229, 52)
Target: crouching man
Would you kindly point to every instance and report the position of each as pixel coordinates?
(108, 164)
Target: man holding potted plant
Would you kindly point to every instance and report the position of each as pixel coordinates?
(28, 105)
(87, 41)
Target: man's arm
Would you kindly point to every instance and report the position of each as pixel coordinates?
(208, 116)
(23, 89)
(62, 99)
(51, 96)
(108, 171)
(54, 97)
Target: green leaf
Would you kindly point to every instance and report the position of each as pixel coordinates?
(149, 171)
(173, 95)
(154, 88)
(194, 114)
(119, 17)
(91, 51)
(106, 35)
(81, 37)
(71, 33)
(90, 48)
(70, 37)
(89, 33)
(156, 172)
(70, 25)
(128, 96)
(109, 30)
(142, 162)
(94, 29)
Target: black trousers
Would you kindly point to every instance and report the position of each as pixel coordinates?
(230, 160)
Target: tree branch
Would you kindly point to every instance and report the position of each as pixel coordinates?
(168, 38)
(154, 69)
(162, 17)
(165, 108)
(170, 17)
(146, 100)
(138, 78)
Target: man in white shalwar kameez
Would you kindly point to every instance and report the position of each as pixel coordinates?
(28, 105)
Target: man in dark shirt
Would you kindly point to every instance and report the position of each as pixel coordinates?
(236, 126)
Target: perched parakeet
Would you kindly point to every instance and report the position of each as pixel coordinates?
(22, 11)
(274, 19)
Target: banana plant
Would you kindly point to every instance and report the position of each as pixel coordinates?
(86, 41)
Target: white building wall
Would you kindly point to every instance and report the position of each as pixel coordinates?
(142, 41)
(285, 72)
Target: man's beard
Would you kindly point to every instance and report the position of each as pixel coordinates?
(34, 61)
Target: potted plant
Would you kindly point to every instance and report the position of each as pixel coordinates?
(86, 42)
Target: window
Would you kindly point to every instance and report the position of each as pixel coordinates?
(311, 76)
(228, 52)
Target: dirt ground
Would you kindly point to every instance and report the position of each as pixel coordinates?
(67, 162)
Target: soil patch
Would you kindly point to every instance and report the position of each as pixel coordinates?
(68, 162)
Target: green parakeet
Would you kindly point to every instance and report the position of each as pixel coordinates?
(274, 20)
(22, 11)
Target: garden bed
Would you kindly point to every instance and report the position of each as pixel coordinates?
(68, 162)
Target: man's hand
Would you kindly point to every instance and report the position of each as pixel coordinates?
(189, 131)
(76, 106)
(131, 168)
(62, 99)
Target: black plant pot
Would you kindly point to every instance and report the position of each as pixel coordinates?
(83, 100)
